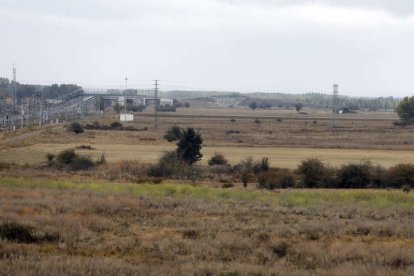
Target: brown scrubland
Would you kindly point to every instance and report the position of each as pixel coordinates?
(115, 203)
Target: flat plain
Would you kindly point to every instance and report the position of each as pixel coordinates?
(285, 137)
(128, 229)
(73, 223)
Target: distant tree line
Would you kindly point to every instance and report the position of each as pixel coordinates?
(55, 91)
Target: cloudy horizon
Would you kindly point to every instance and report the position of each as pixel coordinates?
(227, 45)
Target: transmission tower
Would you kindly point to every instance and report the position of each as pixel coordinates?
(335, 115)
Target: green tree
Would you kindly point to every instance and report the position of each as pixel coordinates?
(298, 107)
(189, 146)
(405, 109)
(313, 173)
(253, 105)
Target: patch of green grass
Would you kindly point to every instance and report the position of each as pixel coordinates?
(286, 198)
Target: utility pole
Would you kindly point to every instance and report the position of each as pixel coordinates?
(125, 101)
(41, 109)
(156, 102)
(14, 97)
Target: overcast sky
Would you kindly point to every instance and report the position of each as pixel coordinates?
(292, 46)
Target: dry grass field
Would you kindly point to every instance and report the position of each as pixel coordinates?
(285, 136)
(69, 228)
(280, 157)
(60, 222)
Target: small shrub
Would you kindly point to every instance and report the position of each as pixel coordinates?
(81, 164)
(116, 125)
(50, 157)
(190, 234)
(233, 120)
(276, 179)
(280, 250)
(257, 122)
(66, 156)
(169, 165)
(406, 188)
(217, 159)
(15, 232)
(5, 166)
(227, 184)
(262, 166)
(401, 174)
(245, 176)
(279, 120)
(76, 128)
(173, 134)
(187, 105)
(101, 160)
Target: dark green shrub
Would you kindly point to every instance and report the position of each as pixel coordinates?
(50, 157)
(298, 107)
(76, 128)
(262, 166)
(189, 146)
(401, 174)
(356, 176)
(405, 109)
(313, 173)
(245, 176)
(227, 185)
(276, 179)
(280, 250)
(218, 159)
(173, 134)
(15, 232)
(169, 165)
(380, 178)
(80, 163)
(116, 125)
(5, 166)
(66, 156)
(101, 160)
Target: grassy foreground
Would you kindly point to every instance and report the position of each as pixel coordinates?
(285, 198)
(96, 228)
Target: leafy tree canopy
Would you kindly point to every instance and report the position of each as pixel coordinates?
(189, 146)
